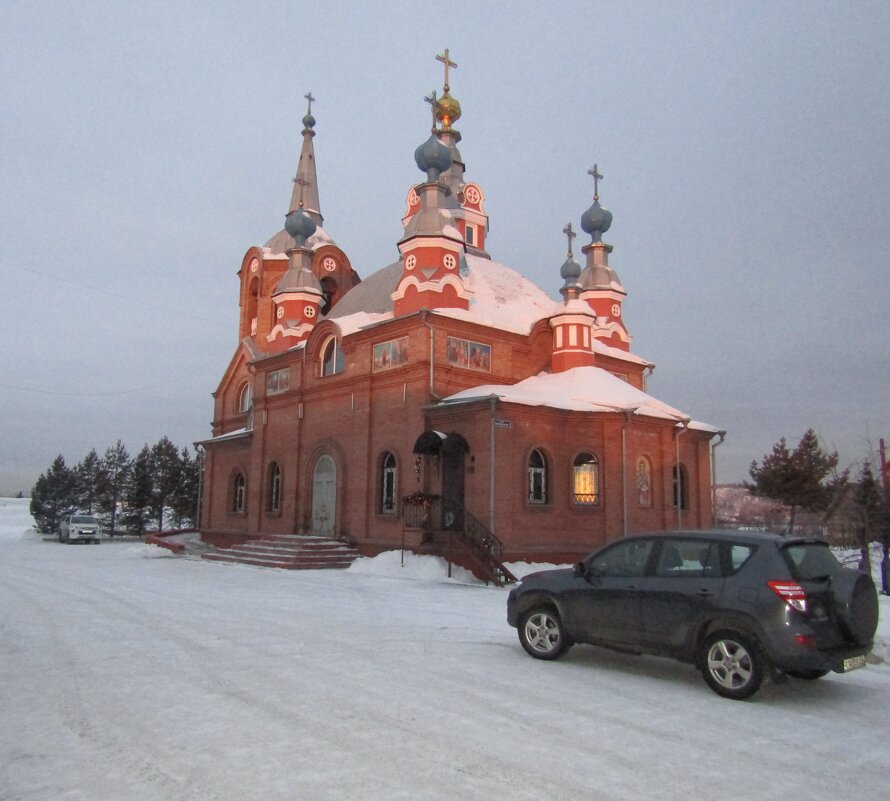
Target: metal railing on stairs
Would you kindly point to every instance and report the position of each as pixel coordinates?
(487, 548)
(462, 528)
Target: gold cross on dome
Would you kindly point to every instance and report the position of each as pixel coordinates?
(596, 181)
(434, 103)
(443, 57)
(311, 101)
(570, 235)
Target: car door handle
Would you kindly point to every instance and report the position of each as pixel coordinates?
(703, 593)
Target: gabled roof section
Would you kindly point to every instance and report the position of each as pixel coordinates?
(246, 352)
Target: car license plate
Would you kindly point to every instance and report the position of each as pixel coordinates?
(853, 663)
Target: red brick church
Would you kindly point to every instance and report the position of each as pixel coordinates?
(443, 401)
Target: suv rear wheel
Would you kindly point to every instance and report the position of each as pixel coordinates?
(732, 664)
(542, 634)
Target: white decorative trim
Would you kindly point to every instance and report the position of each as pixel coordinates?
(596, 294)
(610, 329)
(474, 195)
(454, 244)
(284, 331)
(303, 296)
(572, 319)
(431, 286)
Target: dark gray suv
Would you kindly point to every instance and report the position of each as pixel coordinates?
(738, 605)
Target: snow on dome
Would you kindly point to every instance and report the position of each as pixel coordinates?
(582, 389)
(500, 298)
(279, 244)
(355, 322)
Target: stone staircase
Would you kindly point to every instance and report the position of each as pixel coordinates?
(289, 552)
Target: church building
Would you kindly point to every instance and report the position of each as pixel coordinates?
(443, 402)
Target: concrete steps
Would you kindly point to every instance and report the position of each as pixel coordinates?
(288, 552)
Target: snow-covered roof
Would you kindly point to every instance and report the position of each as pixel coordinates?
(583, 389)
(500, 298)
(238, 432)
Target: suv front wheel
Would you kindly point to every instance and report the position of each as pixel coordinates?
(732, 664)
(542, 634)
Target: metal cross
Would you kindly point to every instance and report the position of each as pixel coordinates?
(443, 57)
(434, 103)
(596, 181)
(311, 101)
(570, 235)
(302, 183)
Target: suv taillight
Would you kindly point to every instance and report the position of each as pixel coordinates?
(791, 593)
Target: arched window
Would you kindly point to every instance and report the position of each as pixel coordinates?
(239, 499)
(537, 478)
(586, 480)
(681, 487)
(332, 361)
(244, 396)
(273, 491)
(389, 484)
(643, 479)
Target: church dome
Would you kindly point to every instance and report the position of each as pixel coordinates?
(433, 157)
(500, 298)
(447, 110)
(300, 226)
(570, 270)
(596, 221)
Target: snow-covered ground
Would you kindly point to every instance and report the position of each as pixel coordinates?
(131, 674)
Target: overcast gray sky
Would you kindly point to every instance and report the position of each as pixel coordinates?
(144, 147)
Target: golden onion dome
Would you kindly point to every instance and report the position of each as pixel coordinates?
(447, 110)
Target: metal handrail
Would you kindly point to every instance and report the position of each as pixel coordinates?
(427, 513)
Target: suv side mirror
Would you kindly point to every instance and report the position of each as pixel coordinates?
(579, 570)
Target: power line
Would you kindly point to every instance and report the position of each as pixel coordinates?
(117, 295)
(69, 394)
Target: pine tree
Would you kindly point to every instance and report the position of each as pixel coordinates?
(798, 479)
(868, 502)
(114, 472)
(184, 503)
(166, 473)
(140, 485)
(87, 475)
(53, 496)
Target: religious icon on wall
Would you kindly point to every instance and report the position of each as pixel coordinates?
(464, 353)
(390, 354)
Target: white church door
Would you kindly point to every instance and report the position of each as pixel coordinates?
(324, 497)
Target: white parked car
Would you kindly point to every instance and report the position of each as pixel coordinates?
(79, 528)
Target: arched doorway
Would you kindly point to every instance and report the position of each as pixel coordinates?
(448, 452)
(324, 496)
